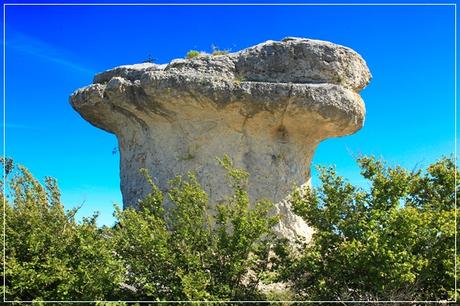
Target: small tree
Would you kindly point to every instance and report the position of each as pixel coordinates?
(49, 256)
(394, 241)
(184, 253)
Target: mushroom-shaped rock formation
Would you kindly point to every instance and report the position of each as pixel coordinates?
(267, 107)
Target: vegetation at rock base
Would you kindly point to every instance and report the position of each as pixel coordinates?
(393, 240)
(150, 254)
(185, 254)
(49, 256)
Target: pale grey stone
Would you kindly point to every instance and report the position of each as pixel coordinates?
(267, 107)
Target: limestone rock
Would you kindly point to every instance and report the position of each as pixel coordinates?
(267, 107)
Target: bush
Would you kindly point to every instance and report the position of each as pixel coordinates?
(182, 254)
(391, 241)
(192, 54)
(394, 241)
(151, 254)
(49, 256)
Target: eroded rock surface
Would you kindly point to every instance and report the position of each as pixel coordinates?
(267, 107)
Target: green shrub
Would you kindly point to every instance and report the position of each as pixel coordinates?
(182, 254)
(192, 54)
(394, 241)
(50, 256)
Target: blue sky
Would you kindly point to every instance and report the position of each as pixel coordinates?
(53, 50)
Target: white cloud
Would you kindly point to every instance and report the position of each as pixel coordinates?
(24, 43)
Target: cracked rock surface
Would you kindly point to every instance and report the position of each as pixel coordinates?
(267, 107)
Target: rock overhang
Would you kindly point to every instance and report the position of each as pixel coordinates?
(307, 80)
(267, 107)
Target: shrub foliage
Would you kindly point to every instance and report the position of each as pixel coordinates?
(392, 240)
(180, 253)
(49, 256)
(192, 54)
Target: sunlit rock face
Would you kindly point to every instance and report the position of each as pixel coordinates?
(267, 107)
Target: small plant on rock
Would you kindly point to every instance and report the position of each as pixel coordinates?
(238, 79)
(192, 54)
(216, 51)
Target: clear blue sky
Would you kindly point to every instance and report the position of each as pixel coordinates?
(51, 51)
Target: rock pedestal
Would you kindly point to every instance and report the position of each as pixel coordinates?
(267, 107)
